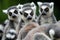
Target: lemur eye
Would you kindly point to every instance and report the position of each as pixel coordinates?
(47, 9)
(41, 9)
(31, 13)
(25, 14)
(10, 13)
(16, 12)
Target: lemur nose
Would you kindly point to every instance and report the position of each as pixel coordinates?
(43, 13)
(29, 18)
(14, 16)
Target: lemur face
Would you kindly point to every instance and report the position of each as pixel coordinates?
(28, 11)
(45, 8)
(11, 35)
(28, 14)
(12, 12)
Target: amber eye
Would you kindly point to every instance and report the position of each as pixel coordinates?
(16, 12)
(31, 13)
(25, 14)
(47, 9)
(10, 13)
(41, 9)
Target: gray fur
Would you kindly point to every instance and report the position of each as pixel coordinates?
(26, 7)
(26, 29)
(41, 36)
(45, 29)
(13, 22)
(46, 17)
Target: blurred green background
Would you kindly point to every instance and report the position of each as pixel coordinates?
(4, 4)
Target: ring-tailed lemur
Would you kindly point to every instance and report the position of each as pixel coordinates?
(14, 19)
(46, 11)
(28, 13)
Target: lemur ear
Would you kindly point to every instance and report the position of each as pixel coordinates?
(39, 3)
(19, 6)
(51, 4)
(33, 5)
(5, 11)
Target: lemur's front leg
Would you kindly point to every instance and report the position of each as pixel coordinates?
(4, 32)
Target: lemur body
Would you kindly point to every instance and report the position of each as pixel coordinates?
(25, 30)
(46, 13)
(50, 30)
(28, 14)
(30, 35)
(14, 19)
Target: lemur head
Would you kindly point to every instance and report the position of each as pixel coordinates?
(11, 35)
(45, 8)
(28, 11)
(12, 12)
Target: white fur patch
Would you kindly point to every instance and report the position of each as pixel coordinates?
(52, 32)
(10, 36)
(12, 30)
(43, 7)
(28, 11)
(6, 21)
(4, 11)
(12, 10)
(1, 27)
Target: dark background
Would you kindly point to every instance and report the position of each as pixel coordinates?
(4, 4)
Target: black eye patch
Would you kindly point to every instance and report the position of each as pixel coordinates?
(41, 9)
(31, 13)
(47, 9)
(25, 14)
(10, 13)
(16, 12)
(21, 13)
(12, 33)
